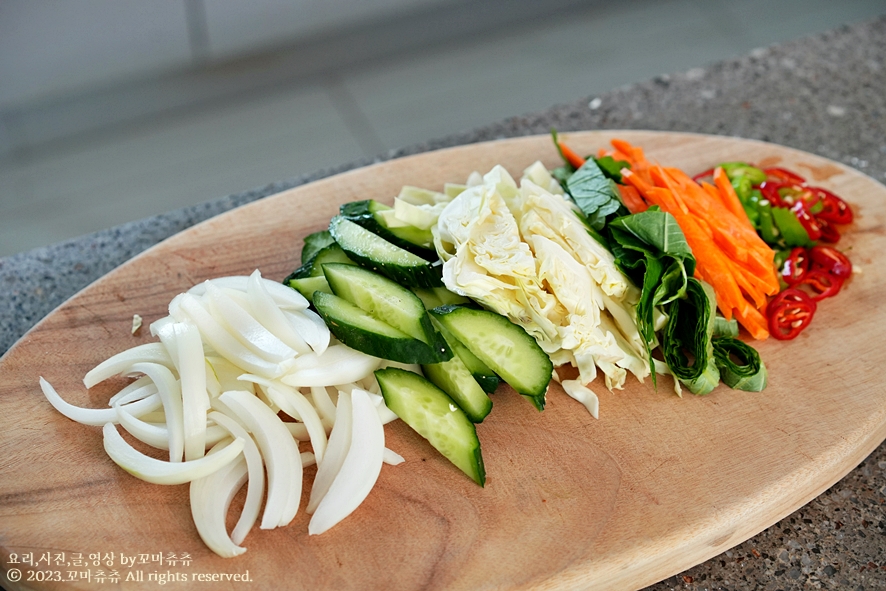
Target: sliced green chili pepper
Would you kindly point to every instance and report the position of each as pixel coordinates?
(790, 228)
(742, 169)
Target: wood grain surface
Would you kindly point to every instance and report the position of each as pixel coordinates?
(656, 485)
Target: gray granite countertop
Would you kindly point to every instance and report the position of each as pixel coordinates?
(824, 94)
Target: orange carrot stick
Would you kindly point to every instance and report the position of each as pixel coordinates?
(630, 196)
(729, 196)
(570, 155)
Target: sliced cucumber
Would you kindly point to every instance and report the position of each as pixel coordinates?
(358, 330)
(433, 297)
(377, 254)
(479, 370)
(385, 300)
(433, 415)
(454, 378)
(502, 345)
(308, 285)
(314, 243)
(332, 253)
(367, 214)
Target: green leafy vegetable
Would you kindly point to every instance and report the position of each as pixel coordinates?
(612, 167)
(595, 194)
(740, 365)
(686, 340)
(725, 328)
(651, 249)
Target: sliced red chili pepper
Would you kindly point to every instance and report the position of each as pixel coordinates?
(834, 209)
(807, 221)
(795, 266)
(783, 174)
(831, 260)
(822, 284)
(769, 189)
(829, 232)
(789, 313)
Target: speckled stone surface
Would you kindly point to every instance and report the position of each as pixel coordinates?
(825, 94)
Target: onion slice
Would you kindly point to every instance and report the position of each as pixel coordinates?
(121, 363)
(96, 416)
(211, 498)
(360, 468)
(265, 310)
(245, 328)
(160, 472)
(224, 343)
(256, 484)
(285, 297)
(195, 400)
(171, 395)
(337, 365)
(279, 451)
(339, 444)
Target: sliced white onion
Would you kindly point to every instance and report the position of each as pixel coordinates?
(265, 310)
(155, 435)
(308, 459)
(324, 405)
(226, 373)
(211, 498)
(95, 416)
(245, 328)
(285, 297)
(337, 365)
(140, 388)
(121, 363)
(297, 430)
(583, 394)
(195, 400)
(360, 469)
(255, 465)
(158, 471)
(392, 458)
(226, 345)
(279, 451)
(339, 444)
(311, 327)
(170, 393)
(294, 403)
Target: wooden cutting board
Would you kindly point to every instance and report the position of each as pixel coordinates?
(656, 485)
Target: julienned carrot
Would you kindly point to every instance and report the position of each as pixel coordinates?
(729, 196)
(571, 156)
(631, 198)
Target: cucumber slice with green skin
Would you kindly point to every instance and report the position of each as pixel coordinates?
(387, 301)
(479, 370)
(366, 214)
(435, 416)
(376, 253)
(433, 297)
(454, 378)
(314, 243)
(332, 253)
(308, 285)
(358, 330)
(502, 345)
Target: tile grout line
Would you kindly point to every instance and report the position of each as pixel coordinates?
(355, 120)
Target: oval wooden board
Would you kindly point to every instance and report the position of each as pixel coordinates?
(654, 486)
